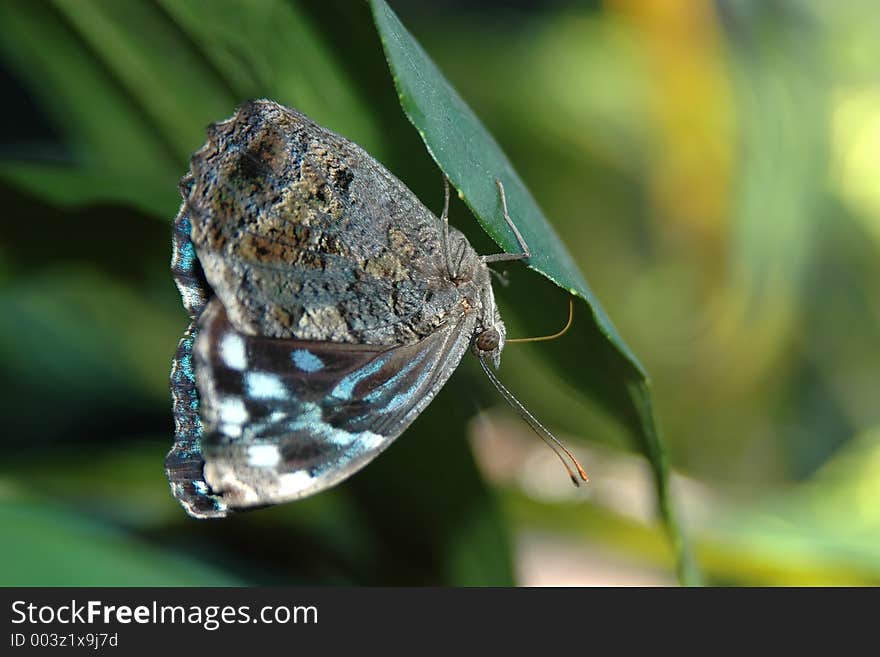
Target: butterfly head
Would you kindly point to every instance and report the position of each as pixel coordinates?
(489, 341)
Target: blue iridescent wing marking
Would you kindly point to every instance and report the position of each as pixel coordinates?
(184, 463)
(185, 266)
(284, 419)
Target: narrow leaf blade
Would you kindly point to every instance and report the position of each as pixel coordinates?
(473, 161)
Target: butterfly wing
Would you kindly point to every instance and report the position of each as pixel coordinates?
(184, 464)
(283, 419)
(293, 243)
(301, 234)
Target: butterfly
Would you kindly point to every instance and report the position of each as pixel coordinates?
(327, 307)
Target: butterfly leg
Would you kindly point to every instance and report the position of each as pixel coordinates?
(502, 277)
(501, 257)
(444, 217)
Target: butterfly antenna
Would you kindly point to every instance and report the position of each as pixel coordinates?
(558, 334)
(543, 432)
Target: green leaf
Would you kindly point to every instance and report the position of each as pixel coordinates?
(473, 160)
(54, 546)
(60, 339)
(130, 113)
(823, 532)
(133, 85)
(117, 154)
(827, 527)
(292, 63)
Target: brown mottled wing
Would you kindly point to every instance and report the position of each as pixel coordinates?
(301, 234)
(286, 418)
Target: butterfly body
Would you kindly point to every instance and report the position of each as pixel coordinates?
(328, 306)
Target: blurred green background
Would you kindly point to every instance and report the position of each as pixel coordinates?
(712, 166)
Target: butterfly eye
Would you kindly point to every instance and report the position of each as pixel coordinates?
(488, 340)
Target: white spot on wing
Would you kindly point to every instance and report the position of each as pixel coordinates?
(232, 352)
(336, 436)
(263, 456)
(191, 297)
(311, 419)
(231, 430)
(370, 440)
(231, 410)
(265, 386)
(294, 482)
